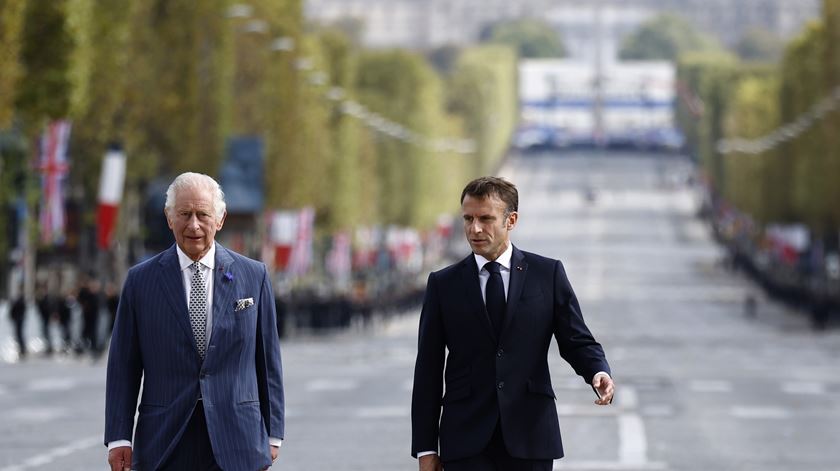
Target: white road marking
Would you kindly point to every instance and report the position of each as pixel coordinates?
(584, 410)
(319, 385)
(802, 387)
(51, 384)
(627, 398)
(710, 386)
(632, 437)
(632, 440)
(749, 412)
(606, 466)
(56, 453)
(384, 412)
(658, 411)
(37, 414)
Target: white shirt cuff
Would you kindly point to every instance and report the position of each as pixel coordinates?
(118, 443)
(424, 453)
(601, 373)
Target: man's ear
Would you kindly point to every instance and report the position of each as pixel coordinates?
(221, 221)
(168, 221)
(511, 220)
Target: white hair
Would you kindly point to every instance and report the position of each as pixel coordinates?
(200, 181)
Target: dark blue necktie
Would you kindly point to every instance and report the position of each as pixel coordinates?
(494, 296)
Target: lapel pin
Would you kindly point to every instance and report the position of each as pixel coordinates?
(519, 268)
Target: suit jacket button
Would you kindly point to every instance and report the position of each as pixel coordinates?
(501, 384)
(500, 353)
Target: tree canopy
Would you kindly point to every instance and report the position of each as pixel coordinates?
(531, 38)
(665, 37)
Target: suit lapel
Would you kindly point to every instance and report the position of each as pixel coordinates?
(518, 270)
(469, 280)
(171, 283)
(223, 287)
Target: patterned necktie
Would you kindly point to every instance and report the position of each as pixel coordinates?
(198, 307)
(494, 296)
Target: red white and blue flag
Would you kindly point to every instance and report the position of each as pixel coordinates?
(54, 167)
(111, 184)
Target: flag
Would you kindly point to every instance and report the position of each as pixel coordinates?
(54, 167)
(300, 260)
(282, 233)
(111, 183)
(339, 260)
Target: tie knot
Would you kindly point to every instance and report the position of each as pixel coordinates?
(196, 266)
(493, 267)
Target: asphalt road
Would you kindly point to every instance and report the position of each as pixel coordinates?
(701, 386)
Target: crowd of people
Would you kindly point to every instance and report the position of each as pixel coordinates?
(89, 298)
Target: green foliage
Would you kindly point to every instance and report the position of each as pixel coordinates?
(665, 37)
(176, 91)
(482, 91)
(750, 182)
(531, 38)
(45, 87)
(402, 87)
(795, 181)
(99, 69)
(760, 45)
(173, 79)
(709, 77)
(11, 22)
(814, 169)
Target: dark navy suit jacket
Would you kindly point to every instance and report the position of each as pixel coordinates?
(493, 380)
(240, 380)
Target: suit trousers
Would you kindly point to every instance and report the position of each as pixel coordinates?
(193, 452)
(495, 457)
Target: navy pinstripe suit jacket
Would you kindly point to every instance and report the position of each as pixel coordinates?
(240, 379)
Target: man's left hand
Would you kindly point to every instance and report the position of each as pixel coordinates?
(605, 387)
(275, 452)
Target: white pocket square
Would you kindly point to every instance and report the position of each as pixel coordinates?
(243, 303)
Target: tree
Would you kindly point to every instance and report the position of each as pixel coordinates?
(760, 45)
(11, 20)
(530, 37)
(665, 37)
(45, 85)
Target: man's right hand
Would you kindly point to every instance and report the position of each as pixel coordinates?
(120, 458)
(430, 463)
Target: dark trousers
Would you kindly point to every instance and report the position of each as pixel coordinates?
(20, 337)
(193, 452)
(495, 457)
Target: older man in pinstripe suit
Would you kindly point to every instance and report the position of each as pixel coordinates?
(197, 324)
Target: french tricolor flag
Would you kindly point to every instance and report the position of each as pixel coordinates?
(111, 185)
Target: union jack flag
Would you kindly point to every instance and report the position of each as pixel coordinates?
(54, 167)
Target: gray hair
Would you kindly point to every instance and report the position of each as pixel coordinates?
(200, 181)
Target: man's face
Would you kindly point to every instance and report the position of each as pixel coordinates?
(485, 225)
(193, 221)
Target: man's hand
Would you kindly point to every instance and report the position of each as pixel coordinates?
(120, 458)
(430, 463)
(605, 388)
(275, 452)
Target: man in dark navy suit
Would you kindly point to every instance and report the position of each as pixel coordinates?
(197, 324)
(496, 312)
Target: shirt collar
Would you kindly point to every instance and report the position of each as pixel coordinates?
(504, 258)
(208, 260)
